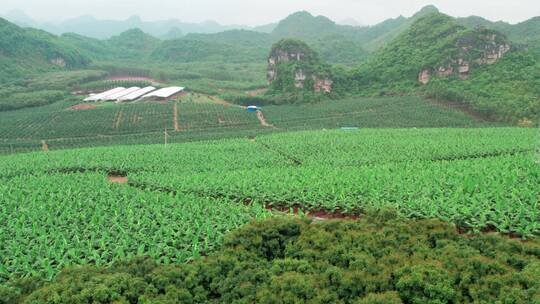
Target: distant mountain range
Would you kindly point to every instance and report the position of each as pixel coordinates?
(103, 29)
(300, 25)
(174, 40)
(453, 57)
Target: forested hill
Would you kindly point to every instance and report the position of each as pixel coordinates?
(134, 43)
(444, 59)
(524, 32)
(337, 44)
(24, 50)
(303, 25)
(491, 66)
(433, 42)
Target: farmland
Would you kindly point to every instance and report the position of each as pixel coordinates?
(199, 117)
(310, 163)
(478, 179)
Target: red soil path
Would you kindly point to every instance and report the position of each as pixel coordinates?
(82, 107)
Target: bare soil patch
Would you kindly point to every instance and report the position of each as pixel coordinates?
(82, 107)
(263, 121)
(117, 179)
(44, 146)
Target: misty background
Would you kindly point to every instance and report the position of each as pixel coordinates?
(174, 18)
(258, 12)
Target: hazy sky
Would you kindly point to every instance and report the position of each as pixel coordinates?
(257, 12)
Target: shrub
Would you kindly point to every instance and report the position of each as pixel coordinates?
(378, 259)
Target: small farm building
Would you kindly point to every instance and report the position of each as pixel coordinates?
(120, 94)
(137, 94)
(99, 96)
(165, 93)
(252, 109)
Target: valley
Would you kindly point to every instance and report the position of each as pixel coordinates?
(303, 161)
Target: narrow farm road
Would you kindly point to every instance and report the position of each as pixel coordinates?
(263, 121)
(175, 118)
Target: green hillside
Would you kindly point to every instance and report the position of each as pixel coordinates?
(38, 68)
(92, 48)
(187, 50)
(243, 38)
(505, 90)
(369, 33)
(524, 32)
(335, 43)
(134, 43)
(303, 25)
(429, 42)
(131, 44)
(508, 90)
(225, 63)
(24, 51)
(393, 28)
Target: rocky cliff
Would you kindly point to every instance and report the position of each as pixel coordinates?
(477, 48)
(293, 65)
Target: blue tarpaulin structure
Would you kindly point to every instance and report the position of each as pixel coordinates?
(252, 109)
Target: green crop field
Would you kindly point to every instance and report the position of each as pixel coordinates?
(394, 163)
(200, 117)
(181, 198)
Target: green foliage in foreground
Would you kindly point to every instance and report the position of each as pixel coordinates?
(378, 259)
(480, 179)
(59, 218)
(477, 178)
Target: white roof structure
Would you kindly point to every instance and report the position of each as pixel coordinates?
(136, 94)
(165, 92)
(99, 96)
(119, 94)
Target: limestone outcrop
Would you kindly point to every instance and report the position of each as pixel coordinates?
(293, 65)
(58, 61)
(480, 47)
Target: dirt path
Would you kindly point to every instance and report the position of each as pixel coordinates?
(82, 107)
(263, 121)
(118, 119)
(44, 146)
(175, 118)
